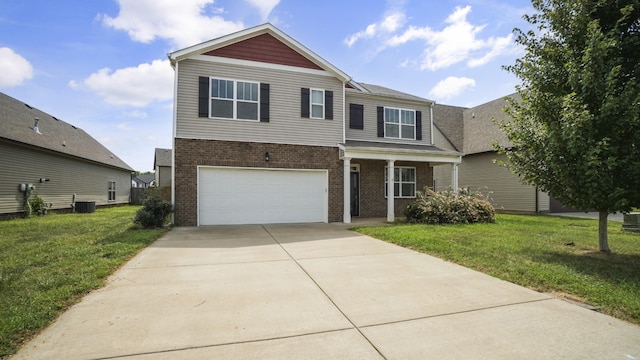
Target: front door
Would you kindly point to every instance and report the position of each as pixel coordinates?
(355, 193)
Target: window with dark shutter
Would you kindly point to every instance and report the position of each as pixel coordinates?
(418, 125)
(356, 116)
(328, 105)
(304, 103)
(264, 102)
(380, 112)
(203, 96)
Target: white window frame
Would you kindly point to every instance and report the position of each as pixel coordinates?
(400, 182)
(111, 192)
(311, 103)
(234, 99)
(399, 124)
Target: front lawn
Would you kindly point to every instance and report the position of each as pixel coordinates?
(48, 263)
(545, 253)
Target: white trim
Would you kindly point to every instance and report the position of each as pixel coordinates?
(400, 110)
(431, 119)
(311, 90)
(234, 100)
(399, 181)
(390, 186)
(259, 64)
(402, 155)
(173, 140)
(344, 114)
(326, 182)
(346, 186)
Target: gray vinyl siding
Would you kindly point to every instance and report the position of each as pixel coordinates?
(370, 131)
(67, 176)
(285, 125)
(478, 172)
(163, 176)
(442, 176)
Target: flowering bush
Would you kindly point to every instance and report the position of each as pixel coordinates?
(449, 207)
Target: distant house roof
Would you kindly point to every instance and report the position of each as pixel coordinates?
(17, 123)
(480, 130)
(162, 157)
(384, 91)
(145, 178)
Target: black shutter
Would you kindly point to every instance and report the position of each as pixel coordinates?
(328, 105)
(380, 121)
(418, 125)
(356, 116)
(304, 102)
(203, 96)
(264, 102)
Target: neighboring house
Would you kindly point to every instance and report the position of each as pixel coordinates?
(61, 161)
(162, 166)
(143, 181)
(266, 131)
(472, 131)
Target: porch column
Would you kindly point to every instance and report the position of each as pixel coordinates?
(347, 191)
(454, 177)
(390, 195)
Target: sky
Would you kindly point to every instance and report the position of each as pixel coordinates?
(102, 66)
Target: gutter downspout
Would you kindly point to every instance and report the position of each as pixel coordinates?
(173, 141)
(431, 118)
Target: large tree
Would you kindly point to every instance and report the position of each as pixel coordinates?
(575, 132)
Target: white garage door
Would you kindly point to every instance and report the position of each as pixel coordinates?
(260, 196)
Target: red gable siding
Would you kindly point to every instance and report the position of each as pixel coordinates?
(264, 48)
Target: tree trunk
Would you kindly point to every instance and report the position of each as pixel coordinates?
(603, 240)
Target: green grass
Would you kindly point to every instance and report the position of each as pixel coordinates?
(532, 251)
(48, 263)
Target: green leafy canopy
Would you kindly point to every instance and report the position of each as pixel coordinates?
(575, 131)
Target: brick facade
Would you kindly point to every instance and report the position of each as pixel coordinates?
(191, 153)
(373, 203)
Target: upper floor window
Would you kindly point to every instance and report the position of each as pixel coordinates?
(399, 123)
(233, 99)
(316, 103)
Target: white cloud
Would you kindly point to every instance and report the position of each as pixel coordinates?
(389, 24)
(132, 86)
(124, 127)
(183, 23)
(15, 68)
(451, 86)
(137, 114)
(457, 42)
(264, 6)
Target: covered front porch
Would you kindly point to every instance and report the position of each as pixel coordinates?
(372, 170)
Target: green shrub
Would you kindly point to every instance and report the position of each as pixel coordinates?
(449, 207)
(154, 211)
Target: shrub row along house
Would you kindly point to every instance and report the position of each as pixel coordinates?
(45, 156)
(267, 131)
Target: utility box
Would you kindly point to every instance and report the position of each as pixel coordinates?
(84, 207)
(631, 222)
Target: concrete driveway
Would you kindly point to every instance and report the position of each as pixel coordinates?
(318, 291)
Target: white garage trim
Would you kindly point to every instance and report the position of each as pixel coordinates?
(249, 195)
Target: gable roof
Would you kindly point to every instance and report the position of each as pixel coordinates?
(480, 131)
(162, 157)
(387, 92)
(144, 178)
(253, 32)
(17, 121)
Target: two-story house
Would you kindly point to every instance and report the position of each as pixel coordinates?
(267, 131)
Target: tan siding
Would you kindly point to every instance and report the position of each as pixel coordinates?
(442, 176)
(370, 131)
(285, 125)
(164, 174)
(478, 172)
(544, 202)
(67, 176)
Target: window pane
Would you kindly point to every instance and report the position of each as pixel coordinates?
(391, 116)
(408, 117)
(396, 189)
(222, 108)
(408, 189)
(254, 92)
(396, 174)
(247, 91)
(248, 111)
(316, 111)
(408, 132)
(228, 94)
(215, 88)
(317, 97)
(408, 175)
(391, 131)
